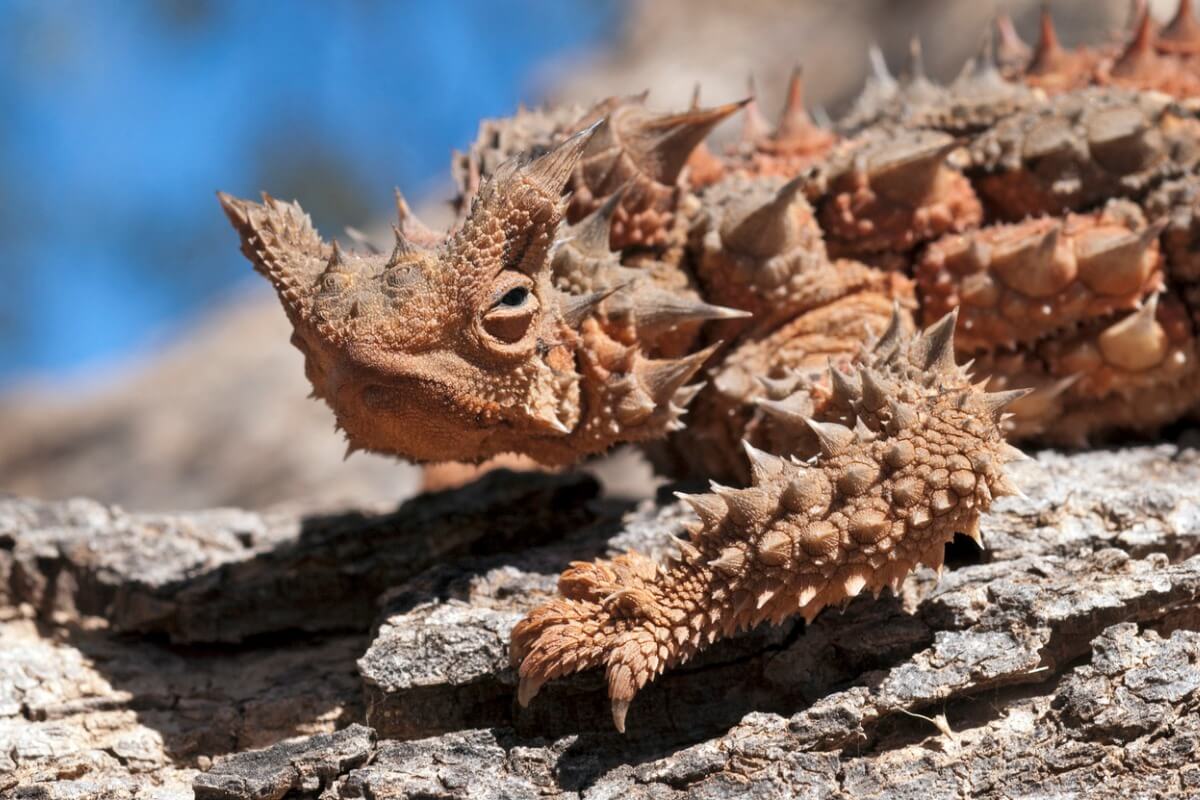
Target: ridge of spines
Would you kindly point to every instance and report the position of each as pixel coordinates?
(280, 241)
(882, 496)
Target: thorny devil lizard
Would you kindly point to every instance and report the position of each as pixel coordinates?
(608, 271)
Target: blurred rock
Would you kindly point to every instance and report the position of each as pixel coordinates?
(218, 418)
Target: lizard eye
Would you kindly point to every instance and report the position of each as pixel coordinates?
(514, 297)
(335, 282)
(511, 314)
(400, 276)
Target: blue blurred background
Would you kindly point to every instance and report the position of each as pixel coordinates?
(120, 118)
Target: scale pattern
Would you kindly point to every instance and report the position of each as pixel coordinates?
(612, 278)
(922, 460)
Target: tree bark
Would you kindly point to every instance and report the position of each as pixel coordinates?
(243, 655)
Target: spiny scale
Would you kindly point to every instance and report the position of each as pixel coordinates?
(878, 501)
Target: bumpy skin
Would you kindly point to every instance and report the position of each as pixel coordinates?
(922, 461)
(1082, 148)
(1020, 283)
(609, 272)
(466, 349)
(890, 191)
(1163, 62)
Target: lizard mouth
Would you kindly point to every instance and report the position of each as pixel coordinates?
(411, 419)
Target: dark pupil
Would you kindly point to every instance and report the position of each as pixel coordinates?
(514, 297)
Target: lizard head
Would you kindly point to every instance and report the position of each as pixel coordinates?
(456, 349)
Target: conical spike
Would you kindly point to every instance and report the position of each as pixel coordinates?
(634, 407)
(779, 388)
(575, 308)
(966, 75)
(1137, 342)
(794, 121)
(1141, 47)
(1032, 262)
(775, 548)
(1117, 264)
(527, 690)
(1183, 34)
(934, 350)
(755, 127)
(986, 69)
(403, 247)
(335, 257)
(907, 169)
(732, 561)
(832, 437)
(763, 598)
(995, 402)
(552, 170)
(846, 387)
(1059, 386)
(659, 307)
(1048, 245)
(890, 339)
(663, 143)
(733, 382)
(876, 389)
(879, 68)
(763, 465)
(1002, 486)
(935, 557)
(903, 416)
(1048, 53)
(684, 395)
(854, 583)
(620, 709)
(1011, 50)
(663, 377)
(747, 507)
(972, 532)
(792, 412)
(1150, 234)
(709, 507)
(552, 422)
(591, 234)
(916, 61)
(769, 229)
(687, 550)
(413, 229)
(1009, 453)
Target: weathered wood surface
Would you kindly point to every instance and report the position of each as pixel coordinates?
(150, 655)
